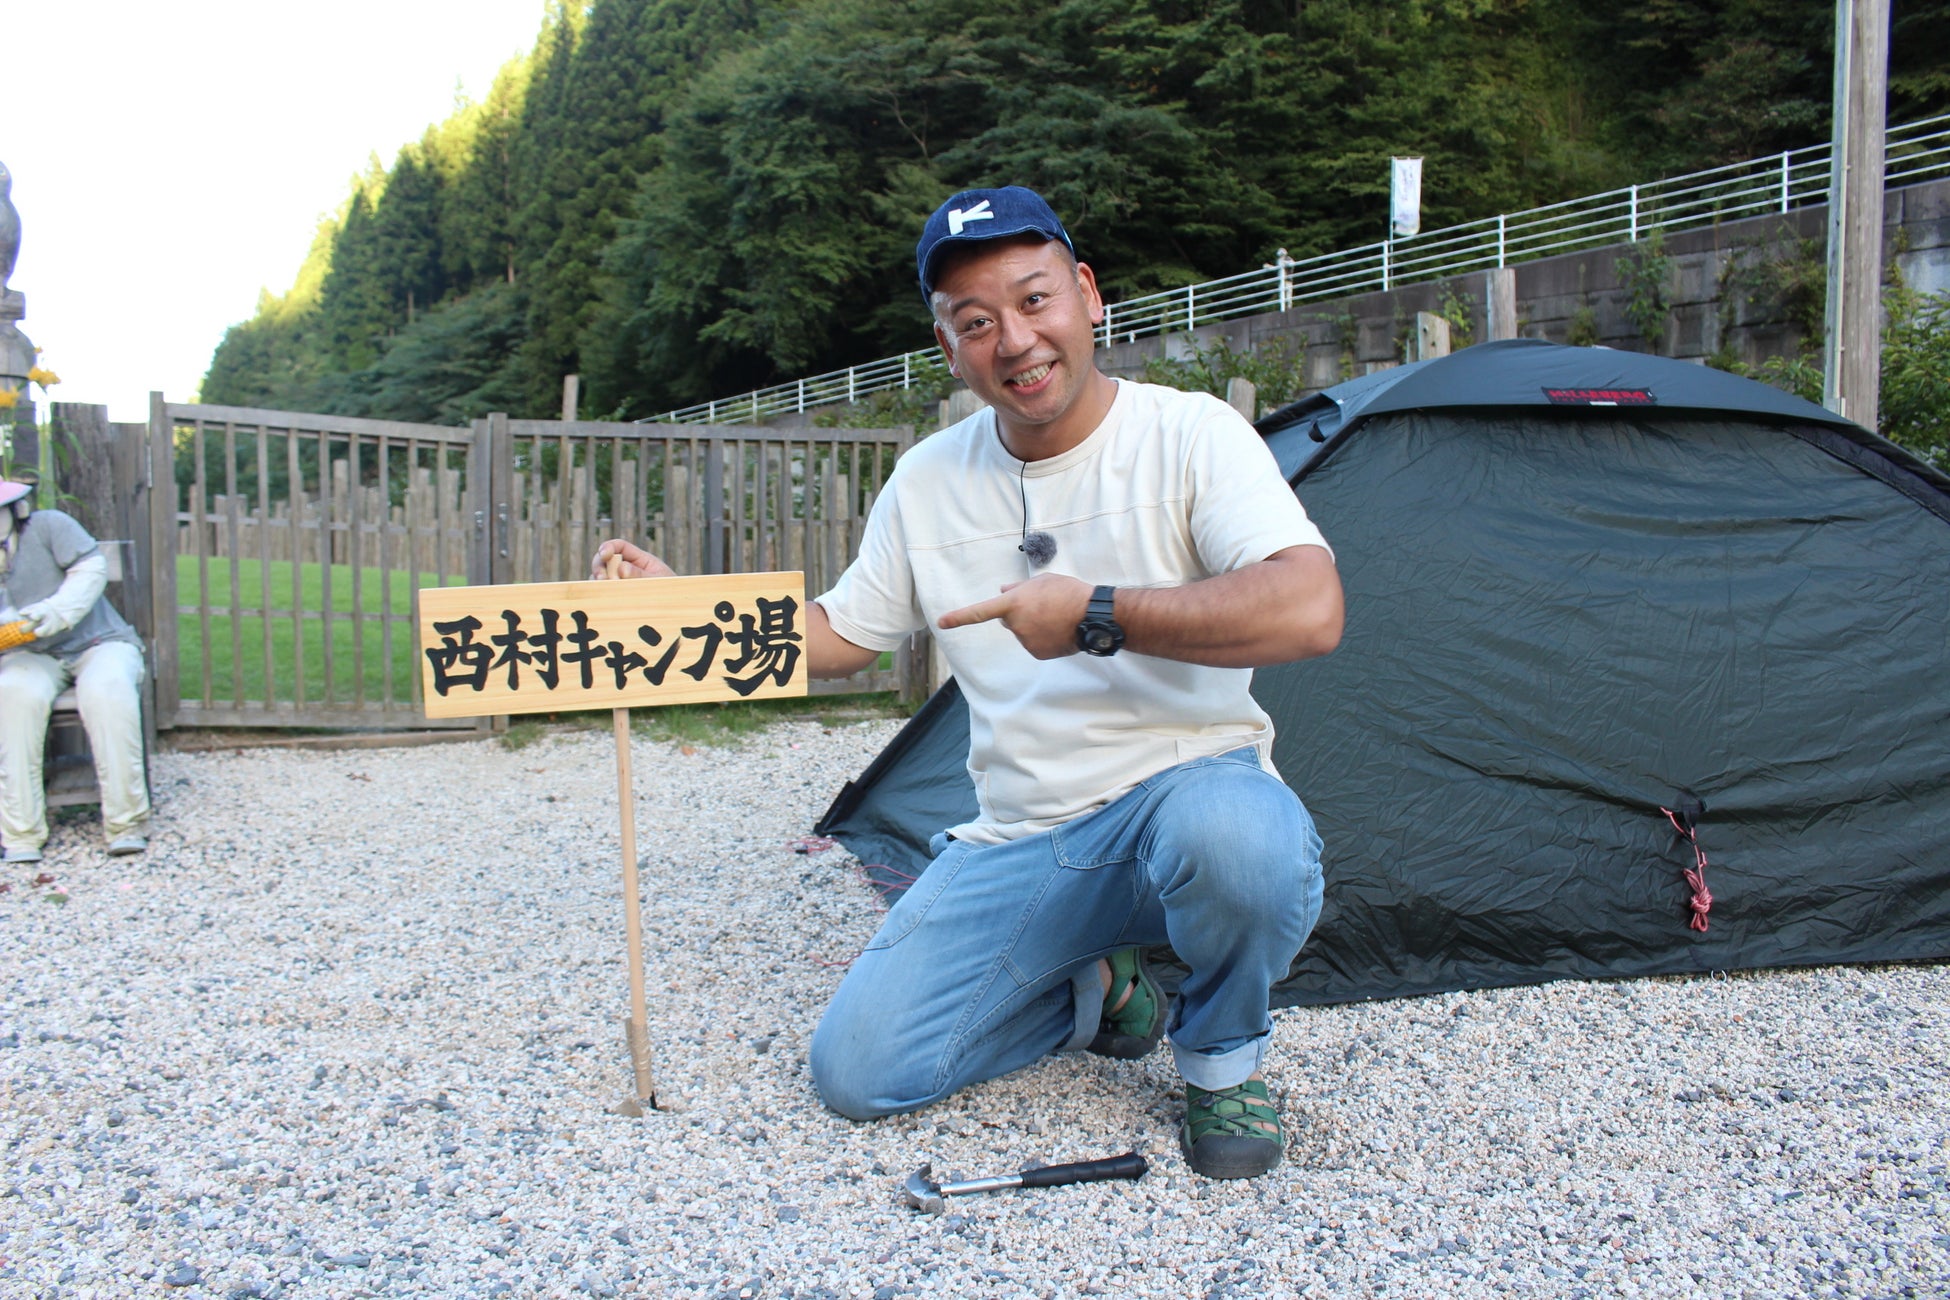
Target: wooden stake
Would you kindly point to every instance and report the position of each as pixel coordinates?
(636, 1028)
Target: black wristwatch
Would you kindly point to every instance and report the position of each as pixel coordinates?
(1099, 634)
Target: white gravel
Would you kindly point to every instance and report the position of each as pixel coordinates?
(352, 1028)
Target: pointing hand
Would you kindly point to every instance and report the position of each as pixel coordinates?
(1042, 613)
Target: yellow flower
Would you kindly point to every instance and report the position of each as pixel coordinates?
(45, 378)
(8, 396)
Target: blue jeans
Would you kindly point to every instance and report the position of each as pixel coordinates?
(989, 961)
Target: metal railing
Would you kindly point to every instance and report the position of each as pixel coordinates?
(1778, 183)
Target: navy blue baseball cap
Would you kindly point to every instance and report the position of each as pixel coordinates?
(976, 215)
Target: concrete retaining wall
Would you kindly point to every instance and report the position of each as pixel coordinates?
(1353, 336)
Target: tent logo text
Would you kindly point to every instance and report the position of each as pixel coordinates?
(1600, 396)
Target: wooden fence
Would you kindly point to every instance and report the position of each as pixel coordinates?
(233, 524)
(298, 539)
(284, 578)
(708, 500)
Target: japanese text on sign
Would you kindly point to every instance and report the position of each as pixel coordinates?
(582, 645)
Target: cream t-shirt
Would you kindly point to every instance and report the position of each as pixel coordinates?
(1172, 487)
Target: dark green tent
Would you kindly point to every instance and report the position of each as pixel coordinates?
(1598, 602)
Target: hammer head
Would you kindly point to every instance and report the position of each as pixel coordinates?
(921, 1192)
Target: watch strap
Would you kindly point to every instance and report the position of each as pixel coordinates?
(1099, 634)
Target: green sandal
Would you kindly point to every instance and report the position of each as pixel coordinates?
(1134, 1028)
(1224, 1134)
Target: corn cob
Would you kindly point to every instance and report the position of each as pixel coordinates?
(16, 634)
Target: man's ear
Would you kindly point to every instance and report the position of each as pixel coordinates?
(1092, 299)
(1087, 282)
(946, 342)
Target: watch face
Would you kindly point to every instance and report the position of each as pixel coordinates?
(1100, 640)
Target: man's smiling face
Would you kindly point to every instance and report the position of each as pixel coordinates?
(1016, 319)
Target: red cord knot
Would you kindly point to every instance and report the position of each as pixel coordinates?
(885, 881)
(1702, 900)
(810, 844)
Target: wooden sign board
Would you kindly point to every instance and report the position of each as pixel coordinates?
(540, 647)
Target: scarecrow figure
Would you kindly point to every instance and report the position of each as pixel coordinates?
(59, 631)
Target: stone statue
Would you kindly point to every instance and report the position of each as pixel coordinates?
(9, 227)
(16, 349)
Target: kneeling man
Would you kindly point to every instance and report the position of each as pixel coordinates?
(1104, 563)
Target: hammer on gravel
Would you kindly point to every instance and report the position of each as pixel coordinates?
(924, 1194)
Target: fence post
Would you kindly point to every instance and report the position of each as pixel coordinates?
(1191, 307)
(103, 467)
(1635, 214)
(1431, 336)
(911, 669)
(714, 523)
(1502, 295)
(162, 552)
(1501, 241)
(478, 504)
(1386, 245)
(501, 494)
(1857, 169)
(1242, 395)
(130, 474)
(961, 404)
(1784, 180)
(26, 442)
(79, 453)
(1285, 263)
(1107, 339)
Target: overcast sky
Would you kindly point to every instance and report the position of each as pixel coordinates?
(171, 160)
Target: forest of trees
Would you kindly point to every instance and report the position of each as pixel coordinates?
(680, 199)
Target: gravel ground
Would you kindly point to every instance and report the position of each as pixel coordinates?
(352, 1028)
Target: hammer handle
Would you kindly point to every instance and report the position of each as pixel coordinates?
(1128, 1165)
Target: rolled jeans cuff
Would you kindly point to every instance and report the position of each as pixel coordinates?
(1087, 993)
(1215, 1070)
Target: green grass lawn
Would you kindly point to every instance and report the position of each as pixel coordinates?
(360, 662)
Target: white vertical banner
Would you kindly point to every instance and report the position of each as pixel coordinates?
(1404, 197)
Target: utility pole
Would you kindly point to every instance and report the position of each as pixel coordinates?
(1851, 368)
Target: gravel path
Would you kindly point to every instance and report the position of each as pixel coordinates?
(352, 1028)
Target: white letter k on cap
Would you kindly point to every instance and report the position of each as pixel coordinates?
(959, 217)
